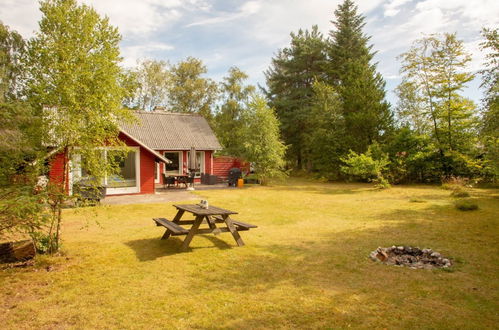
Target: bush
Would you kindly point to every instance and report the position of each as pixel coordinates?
(466, 205)
(460, 193)
(367, 166)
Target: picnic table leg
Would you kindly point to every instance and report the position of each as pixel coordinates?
(233, 230)
(192, 232)
(166, 234)
(179, 215)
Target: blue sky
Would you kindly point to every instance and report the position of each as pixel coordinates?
(248, 33)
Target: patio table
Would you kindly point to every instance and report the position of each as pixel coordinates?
(212, 216)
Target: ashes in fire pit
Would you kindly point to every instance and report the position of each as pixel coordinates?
(412, 257)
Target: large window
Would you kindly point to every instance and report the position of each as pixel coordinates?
(175, 167)
(127, 174)
(126, 180)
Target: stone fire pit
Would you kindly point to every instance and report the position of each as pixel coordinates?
(411, 257)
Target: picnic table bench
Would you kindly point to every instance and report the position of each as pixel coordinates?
(211, 216)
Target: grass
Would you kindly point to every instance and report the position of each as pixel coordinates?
(306, 266)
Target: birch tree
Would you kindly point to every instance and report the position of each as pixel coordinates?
(75, 85)
(434, 75)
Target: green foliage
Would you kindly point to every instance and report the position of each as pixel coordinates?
(290, 82)
(460, 193)
(466, 205)
(430, 102)
(490, 83)
(76, 84)
(44, 242)
(21, 207)
(368, 166)
(362, 90)
(326, 134)
(12, 49)
(413, 157)
(262, 145)
(151, 80)
(189, 91)
(229, 120)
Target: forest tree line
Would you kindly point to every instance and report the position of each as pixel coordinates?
(330, 102)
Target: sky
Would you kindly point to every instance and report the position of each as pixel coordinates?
(246, 34)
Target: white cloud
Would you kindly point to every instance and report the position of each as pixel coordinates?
(247, 9)
(132, 54)
(20, 15)
(392, 8)
(140, 18)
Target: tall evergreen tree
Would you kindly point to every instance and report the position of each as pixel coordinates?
(327, 139)
(290, 88)
(361, 88)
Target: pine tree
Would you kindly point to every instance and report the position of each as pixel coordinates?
(290, 88)
(361, 88)
(327, 138)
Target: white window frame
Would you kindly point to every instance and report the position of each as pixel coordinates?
(180, 163)
(127, 190)
(158, 174)
(75, 173)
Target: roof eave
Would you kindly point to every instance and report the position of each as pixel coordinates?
(143, 145)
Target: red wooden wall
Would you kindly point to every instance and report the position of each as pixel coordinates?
(56, 170)
(147, 164)
(223, 164)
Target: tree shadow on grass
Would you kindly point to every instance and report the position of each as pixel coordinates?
(148, 249)
(331, 281)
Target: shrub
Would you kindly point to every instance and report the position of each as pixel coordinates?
(367, 166)
(466, 205)
(460, 193)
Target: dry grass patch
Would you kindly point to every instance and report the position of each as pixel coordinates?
(306, 266)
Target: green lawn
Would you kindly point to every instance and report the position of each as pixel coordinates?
(306, 266)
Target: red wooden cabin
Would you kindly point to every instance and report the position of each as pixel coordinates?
(160, 143)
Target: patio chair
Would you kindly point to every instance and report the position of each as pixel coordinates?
(190, 178)
(168, 180)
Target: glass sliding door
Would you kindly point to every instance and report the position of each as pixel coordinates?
(127, 179)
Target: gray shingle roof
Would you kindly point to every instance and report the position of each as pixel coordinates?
(172, 131)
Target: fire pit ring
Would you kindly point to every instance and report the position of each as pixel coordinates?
(412, 257)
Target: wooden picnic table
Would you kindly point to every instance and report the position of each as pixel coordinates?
(211, 216)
